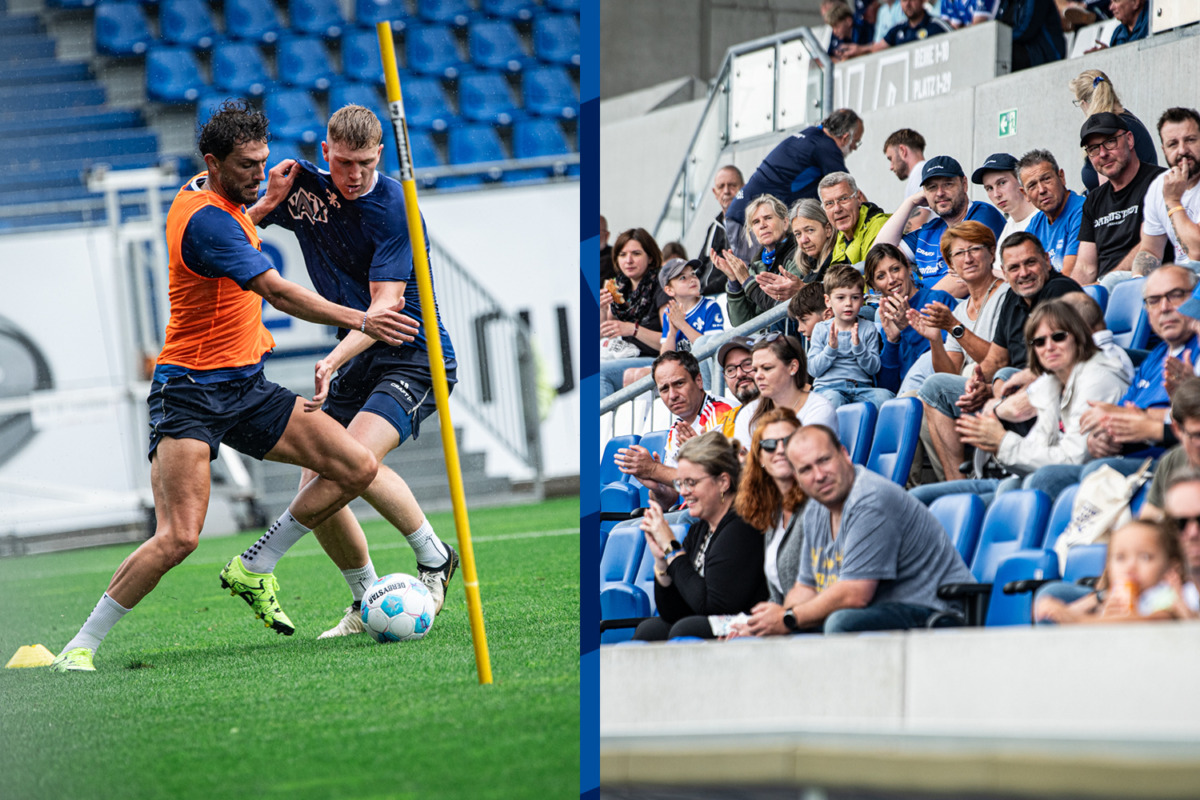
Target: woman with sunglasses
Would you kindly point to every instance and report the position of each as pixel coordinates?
(1070, 371)
(718, 568)
(781, 374)
(770, 500)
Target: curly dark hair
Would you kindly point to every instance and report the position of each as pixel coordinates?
(234, 122)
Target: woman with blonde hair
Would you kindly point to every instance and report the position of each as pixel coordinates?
(1095, 94)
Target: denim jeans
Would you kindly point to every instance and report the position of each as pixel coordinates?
(1052, 479)
(941, 391)
(986, 488)
(879, 617)
(1059, 590)
(612, 373)
(840, 393)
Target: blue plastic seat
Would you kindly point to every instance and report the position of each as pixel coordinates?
(43, 70)
(620, 598)
(239, 68)
(563, 5)
(370, 12)
(1099, 294)
(23, 99)
(486, 97)
(1126, 316)
(293, 116)
(556, 38)
(1060, 515)
(446, 12)
(432, 50)
(894, 443)
(358, 94)
(121, 30)
(619, 498)
(282, 149)
(1017, 609)
(856, 429)
(187, 22)
(521, 10)
(426, 105)
(609, 473)
(549, 93)
(303, 62)
(474, 144)
(495, 45)
(424, 152)
(316, 18)
(1085, 561)
(253, 19)
(360, 56)
(538, 137)
(962, 517)
(173, 75)
(71, 120)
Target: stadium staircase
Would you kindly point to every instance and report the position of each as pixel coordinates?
(491, 89)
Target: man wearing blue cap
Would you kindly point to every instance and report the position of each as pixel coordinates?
(944, 189)
(998, 177)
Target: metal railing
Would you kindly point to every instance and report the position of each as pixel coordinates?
(764, 86)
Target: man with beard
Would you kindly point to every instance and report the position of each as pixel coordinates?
(1110, 229)
(1172, 207)
(905, 151)
(1056, 225)
(734, 358)
(856, 221)
(677, 376)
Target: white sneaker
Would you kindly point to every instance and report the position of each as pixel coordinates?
(349, 625)
(436, 579)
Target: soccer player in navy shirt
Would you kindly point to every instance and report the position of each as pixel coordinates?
(352, 228)
(944, 189)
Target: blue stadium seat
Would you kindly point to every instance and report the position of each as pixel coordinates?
(521, 10)
(1060, 515)
(897, 431)
(238, 68)
(619, 566)
(432, 50)
(173, 75)
(962, 517)
(1139, 498)
(369, 12)
(425, 104)
(24, 99)
(1099, 294)
(70, 4)
(619, 498)
(316, 18)
(495, 45)
(253, 19)
(563, 5)
(549, 93)
(446, 12)
(486, 97)
(1085, 561)
(69, 120)
(856, 429)
(85, 147)
(121, 30)
(360, 56)
(608, 467)
(15, 25)
(187, 22)
(281, 149)
(538, 137)
(655, 442)
(424, 152)
(556, 39)
(474, 144)
(452, 183)
(302, 61)
(293, 116)
(1006, 609)
(359, 94)
(1126, 313)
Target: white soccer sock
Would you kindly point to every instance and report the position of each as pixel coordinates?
(108, 612)
(428, 547)
(263, 555)
(359, 579)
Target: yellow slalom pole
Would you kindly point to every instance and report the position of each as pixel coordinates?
(441, 392)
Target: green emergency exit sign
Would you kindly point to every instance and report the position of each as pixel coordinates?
(1008, 123)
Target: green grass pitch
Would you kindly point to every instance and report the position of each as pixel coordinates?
(194, 698)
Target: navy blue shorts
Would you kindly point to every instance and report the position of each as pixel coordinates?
(248, 414)
(393, 382)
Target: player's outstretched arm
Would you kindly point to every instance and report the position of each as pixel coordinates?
(385, 324)
(279, 183)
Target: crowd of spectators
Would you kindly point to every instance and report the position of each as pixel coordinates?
(988, 313)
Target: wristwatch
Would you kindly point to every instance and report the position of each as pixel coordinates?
(789, 620)
(957, 331)
(672, 548)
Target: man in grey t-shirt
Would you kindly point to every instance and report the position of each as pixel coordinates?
(873, 556)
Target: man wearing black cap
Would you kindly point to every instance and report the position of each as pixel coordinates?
(734, 358)
(944, 189)
(998, 177)
(1110, 228)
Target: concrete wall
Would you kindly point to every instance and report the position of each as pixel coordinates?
(642, 44)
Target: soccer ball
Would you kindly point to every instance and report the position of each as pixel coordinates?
(397, 608)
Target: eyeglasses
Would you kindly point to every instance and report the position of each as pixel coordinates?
(765, 337)
(734, 369)
(1058, 337)
(844, 200)
(1078, 103)
(771, 445)
(1108, 144)
(688, 484)
(1175, 296)
(974, 251)
(1182, 522)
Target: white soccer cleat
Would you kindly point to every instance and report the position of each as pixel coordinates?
(349, 625)
(436, 579)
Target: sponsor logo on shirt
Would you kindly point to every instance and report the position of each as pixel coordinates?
(304, 204)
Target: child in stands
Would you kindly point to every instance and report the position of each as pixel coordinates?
(688, 315)
(1146, 578)
(843, 353)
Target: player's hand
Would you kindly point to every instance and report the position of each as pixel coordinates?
(389, 325)
(322, 378)
(779, 288)
(279, 183)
